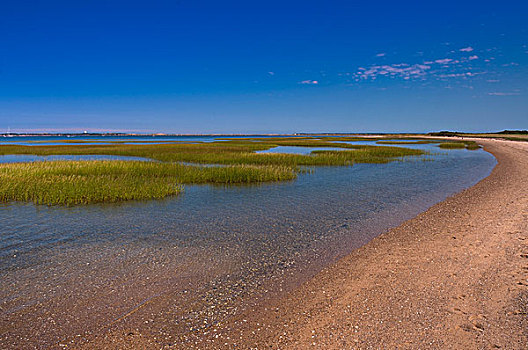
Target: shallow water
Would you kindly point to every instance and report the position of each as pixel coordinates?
(211, 251)
(103, 140)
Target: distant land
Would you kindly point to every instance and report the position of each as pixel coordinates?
(106, 134)
(113, 134)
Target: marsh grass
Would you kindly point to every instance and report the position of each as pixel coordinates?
(232, 152)
(228, 152)
(452, 145)
(410, 142)
(470, 145)
(368, 154)
(349, 138)
(83, 182)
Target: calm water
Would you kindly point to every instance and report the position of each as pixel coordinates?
(210, 251)
(101, 140)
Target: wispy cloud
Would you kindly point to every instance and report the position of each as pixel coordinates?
(443, 61)
(408, 71)
(456, 68)
(381, 54)
(504, 93)
(457, 75)
(402, 70)
(309, 82)
(271, 73)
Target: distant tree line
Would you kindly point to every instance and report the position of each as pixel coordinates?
(457, 133)
(513, 132)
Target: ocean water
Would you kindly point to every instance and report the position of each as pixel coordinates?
(205, 255)
(101, 140)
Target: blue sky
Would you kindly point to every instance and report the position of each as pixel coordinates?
(259, 67)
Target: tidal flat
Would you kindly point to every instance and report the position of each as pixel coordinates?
(170, 272)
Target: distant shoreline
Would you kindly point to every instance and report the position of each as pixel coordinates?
(504, 133)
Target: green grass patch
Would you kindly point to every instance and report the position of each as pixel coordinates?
(349, 138)
(470, 145)
(233, 152)
(83, 182)
(418, 142)
(452, 145)
(367, 154)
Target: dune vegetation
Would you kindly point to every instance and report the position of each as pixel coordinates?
(175, 164)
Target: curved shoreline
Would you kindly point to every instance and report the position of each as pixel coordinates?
(455, 276)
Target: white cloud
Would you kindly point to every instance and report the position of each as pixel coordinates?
(440, 69)
(309, 82)
(402, 70)
(503, 93)
(457, 75)
(381, 54)
(443, 61)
